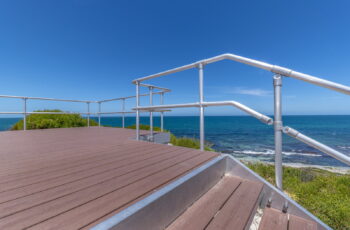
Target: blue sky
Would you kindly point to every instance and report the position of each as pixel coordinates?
(87, 49)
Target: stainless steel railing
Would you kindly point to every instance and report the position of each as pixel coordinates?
(88, 113)
(317, 145)
(279, 73)
(151, 93)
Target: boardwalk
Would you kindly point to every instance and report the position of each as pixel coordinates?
(74, 178)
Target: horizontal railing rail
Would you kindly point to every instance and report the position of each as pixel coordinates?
(317, 145)
(45, 98)
(259, 64)
(155, 87)
(38, 112)
(257, 115)
(88, 113)
(124, 98)
(279, 72)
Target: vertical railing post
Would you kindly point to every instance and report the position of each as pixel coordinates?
(201, 109)
(161, 113)
(99, 114)
(151, 113)
(278, 126)
(24, 113)
(137, 110)
(88, 114)
(123, 112)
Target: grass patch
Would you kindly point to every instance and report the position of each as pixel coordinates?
(47, 121)
(188, 142)
(146, 127)
(177, 141)
(323, 193)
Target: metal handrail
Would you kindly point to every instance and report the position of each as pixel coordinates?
(164, 90)
(141, 95)
(38, 112)
(88, 113)
(277, 83)
(45, 98)
(317, 145)
(257, 115)
(259, 64)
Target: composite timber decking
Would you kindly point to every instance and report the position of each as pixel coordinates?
(74, 178)
(228, 205)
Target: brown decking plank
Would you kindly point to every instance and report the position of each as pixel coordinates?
(35, 153)
(72, 155)
(9, 153)
(273, 219)
(13, 184)
(51, 209)
(36, 199)
(57, 154)
(67, 142)
(17, 166)
(78, 157)
(47, 184)
(52, 165)
(54, 158)
(87, 213)
(298, 223)
(238, 209)
(116, 211)
(203, 210)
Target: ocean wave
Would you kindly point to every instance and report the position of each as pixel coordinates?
(344, 147)
(272, 152)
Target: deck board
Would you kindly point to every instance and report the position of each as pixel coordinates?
(199, 215)
(273, 220)
(297, 223)
(75, 177)
(46, 175)
(110, 167)
(238, 208)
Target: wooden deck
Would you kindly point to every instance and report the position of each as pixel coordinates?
(230, 204)
(276, 220)
(74, 178)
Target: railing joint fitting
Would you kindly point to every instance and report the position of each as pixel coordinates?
(285, 207)
(281, 70)
(278, 125)
(290, 131)
(277, 80)
(201, 65)
(269, 202)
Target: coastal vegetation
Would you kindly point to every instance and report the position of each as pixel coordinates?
(47, 121)
(325, 194)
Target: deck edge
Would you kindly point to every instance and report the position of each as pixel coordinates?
(122, 218)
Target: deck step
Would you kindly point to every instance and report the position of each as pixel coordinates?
(230, 203)
(274, 219)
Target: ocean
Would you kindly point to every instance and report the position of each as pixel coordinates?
(248, 139)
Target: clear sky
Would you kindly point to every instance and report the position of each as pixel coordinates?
(89, 49)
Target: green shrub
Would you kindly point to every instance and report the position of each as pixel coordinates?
(323, 193)
(188, 142)
(145, 127)
(47, 121)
